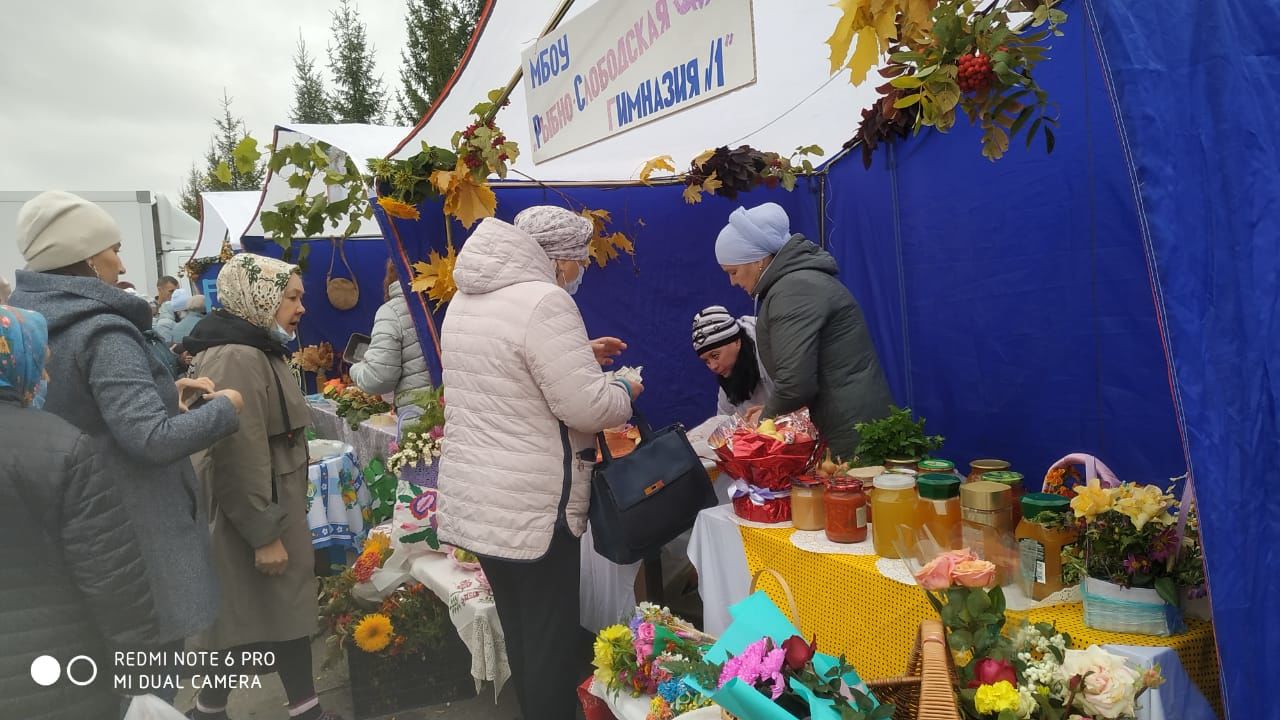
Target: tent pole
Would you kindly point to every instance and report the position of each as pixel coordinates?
(555, 20)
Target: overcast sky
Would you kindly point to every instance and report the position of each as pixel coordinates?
(121, 96)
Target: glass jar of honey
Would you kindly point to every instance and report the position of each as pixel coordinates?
(978, 467)
(807, 510)
(940, 508)
(895, 507)
(1014, 481)
(935, 465)
(1044, 533)
(986, 525)
(846, 506)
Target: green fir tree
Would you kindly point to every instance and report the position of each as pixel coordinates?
(310, 104)
(438, 33)
(358, 96)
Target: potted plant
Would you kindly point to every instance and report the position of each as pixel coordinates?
(402, 652)
(1134, 564)
(896, 436)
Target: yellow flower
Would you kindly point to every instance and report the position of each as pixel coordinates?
(997, 698)
(616, 635)
(397, 209)
(377, 543)
(1092, 500)
(1142, 504)
(373, 633)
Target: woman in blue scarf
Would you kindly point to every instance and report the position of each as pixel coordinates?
(81, 587)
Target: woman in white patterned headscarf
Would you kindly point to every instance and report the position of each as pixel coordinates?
(257, 481)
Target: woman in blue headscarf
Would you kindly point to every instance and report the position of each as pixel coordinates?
(810, 333)
(82, 588)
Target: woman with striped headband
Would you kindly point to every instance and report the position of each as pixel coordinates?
(728, 347)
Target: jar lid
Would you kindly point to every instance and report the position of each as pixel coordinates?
(902, 461)
(1004, 477)
(807, 481)
(892, 481)
(937, 465)
(870, 472)
(939, 486)
(845, 484)
(989, 464)
(1035, 503)
(985, 495)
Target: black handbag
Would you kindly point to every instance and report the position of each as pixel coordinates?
(643, 500)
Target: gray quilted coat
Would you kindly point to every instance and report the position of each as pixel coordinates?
(103, 380)
(814, 343)
(72, 579)
(394, 360)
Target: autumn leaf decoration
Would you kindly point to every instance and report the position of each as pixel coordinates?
(726, 172)
(435, 277)
(465, 198)
(873, 24)
(662, 162)
(606, 246)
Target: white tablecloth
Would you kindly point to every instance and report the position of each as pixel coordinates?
(723, 580)
(337, 500)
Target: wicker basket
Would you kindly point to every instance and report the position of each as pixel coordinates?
(925, 692)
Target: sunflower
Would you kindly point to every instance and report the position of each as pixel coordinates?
(397, 209)
(377, 543)
(373, 634)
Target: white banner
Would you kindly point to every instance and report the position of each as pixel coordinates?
(622, 63)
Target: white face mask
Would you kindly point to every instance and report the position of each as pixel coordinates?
(572, 286)
(284, 337)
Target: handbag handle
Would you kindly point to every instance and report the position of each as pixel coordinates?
(638, 422)
(339, 248)
(1093, 468)
(786, 591)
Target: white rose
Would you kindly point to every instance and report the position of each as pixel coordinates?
(1026, 703)
(1111, 686)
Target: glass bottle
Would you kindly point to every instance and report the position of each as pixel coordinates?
(940, 508)
(1014, 481)
(894, 505)
(1043, 534)
(846, 506)
(986, 525)
(978, 467)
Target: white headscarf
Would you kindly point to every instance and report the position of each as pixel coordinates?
(753, 235)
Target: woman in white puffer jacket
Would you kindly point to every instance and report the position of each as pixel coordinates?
(524, 396)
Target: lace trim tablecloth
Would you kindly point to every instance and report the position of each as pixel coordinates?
(815, 541)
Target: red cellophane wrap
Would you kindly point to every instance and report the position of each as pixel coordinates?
(777, 510)
(593, 708)
(764, 461)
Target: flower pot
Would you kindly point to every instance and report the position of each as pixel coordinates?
(1140, 611)
(384, 685)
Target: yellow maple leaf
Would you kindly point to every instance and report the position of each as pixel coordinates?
(842, 36)
(702, 159)
(662, 162)
(712, 184)
(917, 12)
(465, 198)
(435, 277)
(602, 248)
(864, 55)
(693, 194)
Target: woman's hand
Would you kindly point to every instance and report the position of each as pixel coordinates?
(606, 349)
(636, 389)
(752, 415)
(189, 388)
(237, 401)
(271, 559)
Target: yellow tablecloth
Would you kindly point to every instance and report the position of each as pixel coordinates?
(852, 609)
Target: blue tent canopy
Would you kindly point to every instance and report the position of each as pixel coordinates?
(1117, 297)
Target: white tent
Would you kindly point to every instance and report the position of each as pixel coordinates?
(360, 142)
(795, 100)
(223, 215)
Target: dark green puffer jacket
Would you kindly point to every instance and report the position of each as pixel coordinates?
(815, 345)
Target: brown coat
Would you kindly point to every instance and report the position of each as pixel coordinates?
(256, 484)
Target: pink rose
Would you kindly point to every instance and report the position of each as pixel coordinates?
(988, 671)
(974, 573)
(937, 574)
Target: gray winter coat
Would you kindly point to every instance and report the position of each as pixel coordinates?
(814, 343)
(394, 359)
(72, 580)
(103, 380)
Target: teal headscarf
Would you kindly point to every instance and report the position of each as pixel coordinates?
(24, 336)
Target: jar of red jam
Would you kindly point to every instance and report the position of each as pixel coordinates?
(846, 508)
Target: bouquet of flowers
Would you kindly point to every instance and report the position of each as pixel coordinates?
(1130, 538)
(762, 459)
(637, 658)
(410, 620)
(355, 406)
(1031, 674)
(419, 445)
